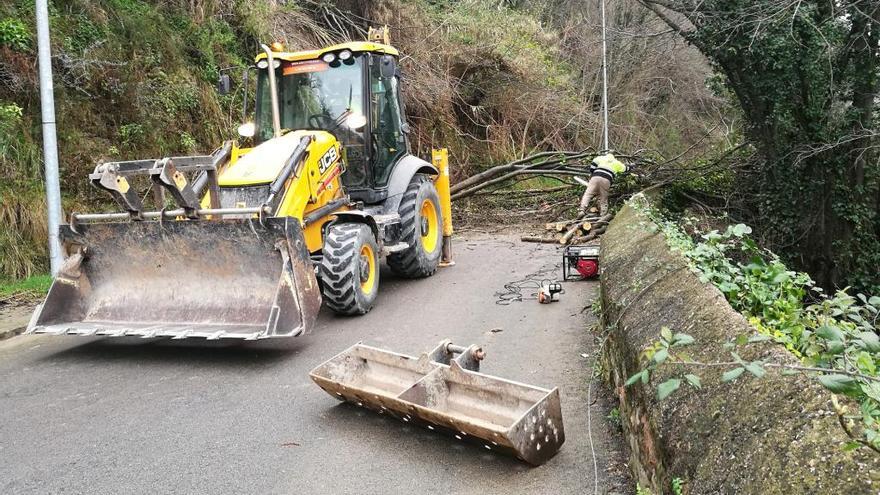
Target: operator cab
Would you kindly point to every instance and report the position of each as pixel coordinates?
(350, 90)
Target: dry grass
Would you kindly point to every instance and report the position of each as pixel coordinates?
(23, 237)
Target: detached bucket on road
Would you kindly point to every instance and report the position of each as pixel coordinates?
(443, 390)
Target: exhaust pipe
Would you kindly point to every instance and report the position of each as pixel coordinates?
(273, 89)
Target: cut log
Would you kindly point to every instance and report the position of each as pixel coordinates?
(569, 234)
(541, 240)
(589, 237)
(557, 226)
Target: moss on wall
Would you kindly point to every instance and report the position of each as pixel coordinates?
(775, 435)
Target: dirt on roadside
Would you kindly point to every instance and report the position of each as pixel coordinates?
(14, 317)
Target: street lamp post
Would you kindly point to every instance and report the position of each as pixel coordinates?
(605, 144)
(50, 140)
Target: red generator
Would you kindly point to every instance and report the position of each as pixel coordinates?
(580, 262)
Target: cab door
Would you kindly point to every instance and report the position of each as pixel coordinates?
(388, 141)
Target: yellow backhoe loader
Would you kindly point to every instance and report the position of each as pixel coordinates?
(245, 243)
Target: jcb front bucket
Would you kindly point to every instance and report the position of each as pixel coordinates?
(450, 395)
(214, 279)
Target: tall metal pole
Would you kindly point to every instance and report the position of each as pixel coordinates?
(604, 79)
(50, 140)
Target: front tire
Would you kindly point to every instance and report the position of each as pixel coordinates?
(421, 221)
(350, 269)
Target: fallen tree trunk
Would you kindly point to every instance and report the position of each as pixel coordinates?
(522, 162)
(548, 163)
(547, 168)
(518, 192)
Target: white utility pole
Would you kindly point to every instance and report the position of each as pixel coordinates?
(604, 79)
(50, 140)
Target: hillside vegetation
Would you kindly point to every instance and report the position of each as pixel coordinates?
(490, 80)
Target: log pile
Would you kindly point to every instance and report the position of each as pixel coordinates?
(575, 231)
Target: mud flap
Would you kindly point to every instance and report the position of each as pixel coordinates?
(448, 394)
(215, 279)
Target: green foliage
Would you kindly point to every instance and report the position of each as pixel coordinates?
(807, 78)
(174, 95)
(85, 33)
(17, 152)
(130, 6)
(187, 142)
(15, 34)
(212, 43)
(131, 133)
(10, 114)
(666, 388)
(677, 486)
(835, 335)
(35, 285)
(614, 418)
(596, 307)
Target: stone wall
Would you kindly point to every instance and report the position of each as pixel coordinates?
(774, 435)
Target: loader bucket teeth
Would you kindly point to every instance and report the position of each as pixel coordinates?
(498, 415)
(229, 279)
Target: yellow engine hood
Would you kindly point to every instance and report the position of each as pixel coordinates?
(264, 162)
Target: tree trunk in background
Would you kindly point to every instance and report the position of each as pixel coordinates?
(807, 81)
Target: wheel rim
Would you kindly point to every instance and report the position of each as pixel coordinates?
(367, 269)
(430, 226)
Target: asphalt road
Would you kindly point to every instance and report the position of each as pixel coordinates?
(81, 415)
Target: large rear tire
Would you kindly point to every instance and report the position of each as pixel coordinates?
(421, 221)
(350, 269)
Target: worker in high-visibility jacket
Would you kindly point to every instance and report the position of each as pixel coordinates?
(602, 172)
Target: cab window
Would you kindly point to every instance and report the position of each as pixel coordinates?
(316, 95)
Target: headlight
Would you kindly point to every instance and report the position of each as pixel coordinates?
(276, 63)
(247, 130)
(262, 64)
(328, 57)
(344, 55)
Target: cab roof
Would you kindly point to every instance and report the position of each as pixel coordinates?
(354, 46)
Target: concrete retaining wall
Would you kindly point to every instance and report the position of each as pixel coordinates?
(775, 435)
